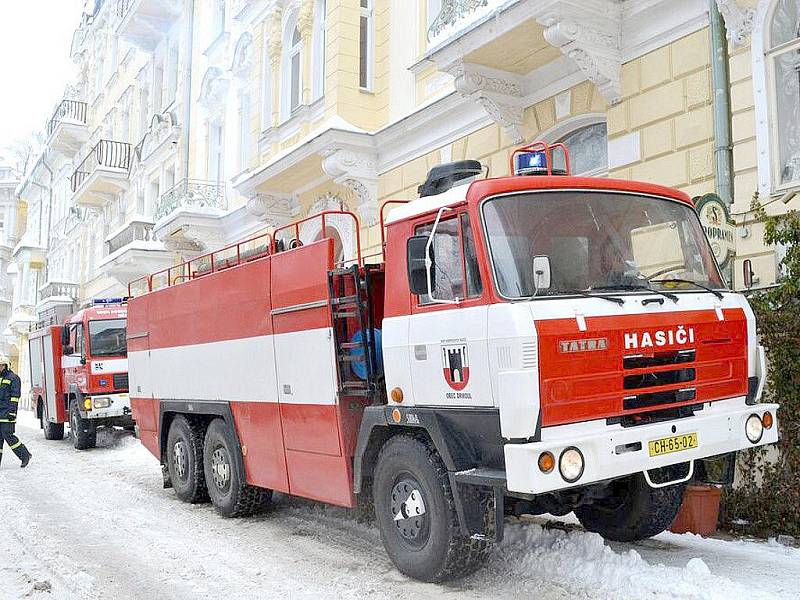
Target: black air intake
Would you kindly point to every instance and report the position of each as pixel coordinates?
(442, 178)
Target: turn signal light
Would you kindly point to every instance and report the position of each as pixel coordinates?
(87, 404)
(397, 395)
(767, 421)
(547, 462)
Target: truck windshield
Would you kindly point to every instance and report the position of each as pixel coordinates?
(107, 338)
(596, 241)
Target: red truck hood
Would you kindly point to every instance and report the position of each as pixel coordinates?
(620, 366)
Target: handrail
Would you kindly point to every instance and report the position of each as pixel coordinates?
(236, 254)
(383, 223)
(322, 215)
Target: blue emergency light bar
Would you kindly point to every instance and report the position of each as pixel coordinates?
(530, 162)
(540, 158)
(105, 301)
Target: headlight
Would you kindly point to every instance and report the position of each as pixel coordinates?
(102, 402)
(754, 428)
(570, 464)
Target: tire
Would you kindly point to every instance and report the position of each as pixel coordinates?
(228, 489)
(431, 548)
(83, 431)
(635, 512)
(185, 460)
(52, 431)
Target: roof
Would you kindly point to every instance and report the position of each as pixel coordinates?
(100, 312)
(482, 188)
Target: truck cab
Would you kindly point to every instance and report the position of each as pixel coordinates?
(90, 387)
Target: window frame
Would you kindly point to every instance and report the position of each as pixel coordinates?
(295, 49)
(366, 12)
(417, 305)
(771, 55)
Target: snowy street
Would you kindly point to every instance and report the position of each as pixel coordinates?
(97, 524)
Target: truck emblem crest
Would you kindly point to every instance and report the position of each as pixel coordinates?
(455, 359)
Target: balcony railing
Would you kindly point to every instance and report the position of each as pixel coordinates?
(136, 231)
(58, 288)
(67, 110)
(123, 6)
(191, 193)
(106, 154)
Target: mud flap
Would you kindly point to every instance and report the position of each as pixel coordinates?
(480, 505)
(165, 475)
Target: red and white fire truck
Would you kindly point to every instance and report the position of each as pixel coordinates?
(79, 373)
(531, 344)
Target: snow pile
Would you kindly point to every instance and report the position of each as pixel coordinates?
(583, 563)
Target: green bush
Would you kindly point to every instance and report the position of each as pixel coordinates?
(768, 498)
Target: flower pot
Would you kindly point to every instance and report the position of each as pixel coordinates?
(700, 510)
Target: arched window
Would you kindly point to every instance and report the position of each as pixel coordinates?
(588, 149)
(292, 70)
(783, 59)
(318, 84)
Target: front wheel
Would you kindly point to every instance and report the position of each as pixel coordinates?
(52, 431)
(416, 514)
(634, 511)
(84, 432)
(230, 493)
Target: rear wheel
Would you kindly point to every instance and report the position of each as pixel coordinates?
(634, 511)
(185, 460)
(230, 493)
(416, 514)
(84, 432)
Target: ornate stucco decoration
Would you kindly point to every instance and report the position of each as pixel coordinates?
(499, 93)
(595, 50)
(357, 171)
(273, 209)
(243, 56)
(738, 21)
(163, 128)
(214, 88)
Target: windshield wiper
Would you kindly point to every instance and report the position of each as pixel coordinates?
(643, 288)
(690, 282)
(585, 294)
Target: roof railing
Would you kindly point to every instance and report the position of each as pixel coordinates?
(242, 252)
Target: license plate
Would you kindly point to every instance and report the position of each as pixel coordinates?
(673, 443)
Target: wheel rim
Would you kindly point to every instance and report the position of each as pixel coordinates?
(408, 512)
(180, 459)
(221, 468)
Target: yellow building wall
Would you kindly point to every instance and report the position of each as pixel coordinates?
(666, 99)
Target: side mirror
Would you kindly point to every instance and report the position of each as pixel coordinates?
(417, 271)
(68, 350)
(65, 335)
(541, 272)
(83, 360)
(747, 273)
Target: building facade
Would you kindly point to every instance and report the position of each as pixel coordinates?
(196, 123)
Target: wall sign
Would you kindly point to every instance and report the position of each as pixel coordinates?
(719, 228)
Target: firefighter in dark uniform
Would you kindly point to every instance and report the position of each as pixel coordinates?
(9, 401)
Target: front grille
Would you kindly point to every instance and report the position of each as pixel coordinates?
(120, 381)
(643, 380)
(659, 359)
(656, 398)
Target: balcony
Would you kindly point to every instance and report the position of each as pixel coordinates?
(144, 23)
(134, 252)
(102, 173)
(66, 130)
(188, 216)
(57, 293)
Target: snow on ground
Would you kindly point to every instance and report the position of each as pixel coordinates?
(97, 525)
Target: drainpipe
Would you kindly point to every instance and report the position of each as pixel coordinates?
(720, 83)
(187, 92)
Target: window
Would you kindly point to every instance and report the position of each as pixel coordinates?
(295, 71)
(456, 260)
(266, 91)
(783, 58)
(107, 338)
(215, 151)
(366, 45)
(588, 149)
(595, 241)
(244, 129)
(172, 75)
(318, 85)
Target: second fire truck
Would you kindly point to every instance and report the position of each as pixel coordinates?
(79, 373)
(532, 344)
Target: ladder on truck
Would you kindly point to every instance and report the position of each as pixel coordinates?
(353, 332)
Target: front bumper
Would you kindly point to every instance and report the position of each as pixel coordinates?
(119, 405)
(719, 427)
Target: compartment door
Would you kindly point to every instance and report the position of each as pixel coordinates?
(46, 342)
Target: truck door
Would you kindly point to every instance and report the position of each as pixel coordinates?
(448, 342)
(51, 411)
